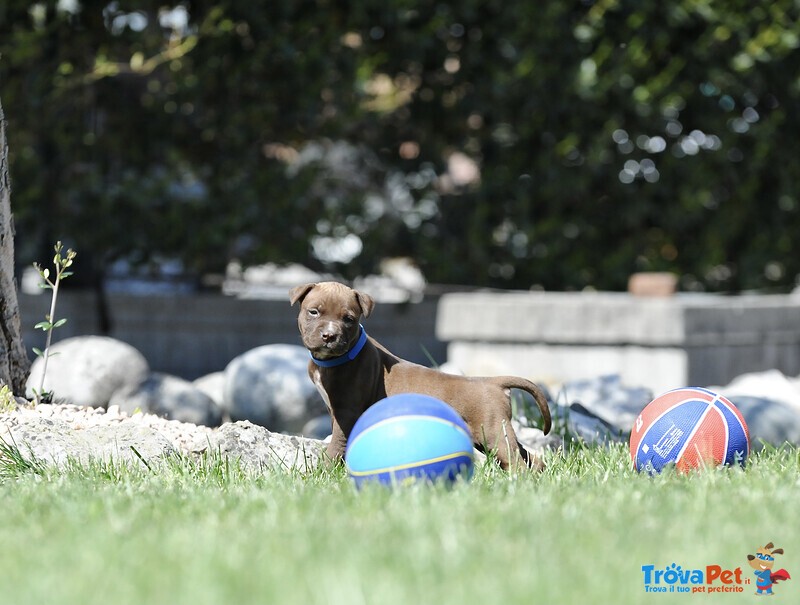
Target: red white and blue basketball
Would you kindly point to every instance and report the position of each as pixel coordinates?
(409, 437)
(691, 428)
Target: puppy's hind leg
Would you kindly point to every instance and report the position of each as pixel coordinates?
(530, 460)
(501, 440)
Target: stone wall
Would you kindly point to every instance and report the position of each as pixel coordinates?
(661, 343)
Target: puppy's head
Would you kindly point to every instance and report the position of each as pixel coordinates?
(329, 314)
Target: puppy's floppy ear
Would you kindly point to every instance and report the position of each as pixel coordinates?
(366, 303)
(299, 293)
(769, 545)
(777, 551)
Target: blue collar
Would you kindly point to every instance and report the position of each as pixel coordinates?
(349, 356)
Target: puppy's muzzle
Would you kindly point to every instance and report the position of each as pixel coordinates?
(330, 342)
(329, 336)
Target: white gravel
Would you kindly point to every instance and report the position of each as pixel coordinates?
(185, 437)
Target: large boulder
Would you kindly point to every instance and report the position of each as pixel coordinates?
(169, 397)
(212, 385)
(770, 404)
(768, 420)
(318, 428)
(87, 370)
(606, 398)
(269, 385)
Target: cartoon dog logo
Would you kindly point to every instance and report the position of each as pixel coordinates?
(762, 562)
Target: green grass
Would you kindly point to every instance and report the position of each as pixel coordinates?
(205, 532)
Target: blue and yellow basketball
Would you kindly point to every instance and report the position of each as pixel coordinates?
(409, 437)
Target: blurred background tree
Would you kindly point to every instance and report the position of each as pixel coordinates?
(561, 145)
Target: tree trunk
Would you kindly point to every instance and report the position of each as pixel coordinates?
(14, 363)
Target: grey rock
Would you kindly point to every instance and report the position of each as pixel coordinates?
(47, 439)
(317, 428)
(258, 449)
(590, 429)
(55, 441)
(770, 404)
(58, 434)
(169, 397)
(606, 398)
(87, 370)
(212, 385)
(121, 441)
(603, 408)
(768, 420)
(269, 386)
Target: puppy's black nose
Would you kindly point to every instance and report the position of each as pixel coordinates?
(328, 336)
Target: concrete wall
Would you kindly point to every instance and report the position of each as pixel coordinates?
(192, 335)
(660, 343)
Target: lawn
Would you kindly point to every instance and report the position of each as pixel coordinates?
(205, 532)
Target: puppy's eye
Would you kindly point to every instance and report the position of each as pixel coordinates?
(313, 312)
(349, 320)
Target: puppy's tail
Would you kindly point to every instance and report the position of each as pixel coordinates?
(514, 382)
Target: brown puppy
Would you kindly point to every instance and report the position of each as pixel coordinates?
(352, 371)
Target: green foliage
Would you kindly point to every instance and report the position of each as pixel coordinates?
(61, 263)
(611, 136)
(14, 464)
(8, 403)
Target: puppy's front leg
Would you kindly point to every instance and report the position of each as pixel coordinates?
(337, 445)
